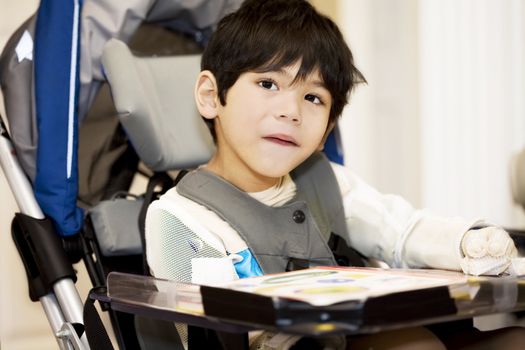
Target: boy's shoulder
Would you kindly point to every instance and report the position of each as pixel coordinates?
(175, 203)
(197, 218)
(343, 176)
(347, 179)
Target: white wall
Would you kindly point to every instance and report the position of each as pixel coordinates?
(444, 107)
(472, 87)
(381, 124)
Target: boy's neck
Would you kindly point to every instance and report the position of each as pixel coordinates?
(245, 180)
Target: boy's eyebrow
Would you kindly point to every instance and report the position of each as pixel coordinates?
(285, 72)
(319, 83)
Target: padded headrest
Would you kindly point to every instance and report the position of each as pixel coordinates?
(517, 177)
(154, 100)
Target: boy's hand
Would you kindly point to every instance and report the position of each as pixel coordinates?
(487, 251)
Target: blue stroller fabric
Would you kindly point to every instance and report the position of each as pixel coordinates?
(333, 147)
(56, 96)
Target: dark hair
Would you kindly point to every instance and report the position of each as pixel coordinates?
(266, 35)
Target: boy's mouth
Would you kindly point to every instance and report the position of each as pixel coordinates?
(281, 139)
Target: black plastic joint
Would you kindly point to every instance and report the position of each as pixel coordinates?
(42, 253)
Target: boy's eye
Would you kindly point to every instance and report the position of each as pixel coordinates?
(314, 99)
(268, 84)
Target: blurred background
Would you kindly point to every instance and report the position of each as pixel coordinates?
(438, 121)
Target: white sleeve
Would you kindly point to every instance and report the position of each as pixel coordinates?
(388, 228)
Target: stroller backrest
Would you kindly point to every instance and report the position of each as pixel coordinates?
(154, 100)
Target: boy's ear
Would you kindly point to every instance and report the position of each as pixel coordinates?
(329, 129)
(206, 94)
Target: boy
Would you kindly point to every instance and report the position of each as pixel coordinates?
(275, 77)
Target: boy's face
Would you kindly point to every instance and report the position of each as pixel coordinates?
(268, 126)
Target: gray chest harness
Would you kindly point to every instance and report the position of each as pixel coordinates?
(296, 235)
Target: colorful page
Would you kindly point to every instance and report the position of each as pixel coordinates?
(329, 285)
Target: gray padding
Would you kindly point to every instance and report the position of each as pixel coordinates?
(154, 100)
(16, 79)
(116, 226)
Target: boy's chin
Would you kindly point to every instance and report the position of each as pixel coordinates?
(276, 170)
(277, 164)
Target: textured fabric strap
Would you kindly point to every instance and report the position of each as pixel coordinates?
(299, 229)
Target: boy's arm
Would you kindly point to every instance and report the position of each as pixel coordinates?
(483, 249)
(388, 228)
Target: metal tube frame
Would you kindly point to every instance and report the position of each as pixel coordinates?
(64, 306)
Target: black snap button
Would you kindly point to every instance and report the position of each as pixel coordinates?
(298, 216)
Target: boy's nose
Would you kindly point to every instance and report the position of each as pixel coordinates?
(291, 117)
(290, 111)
